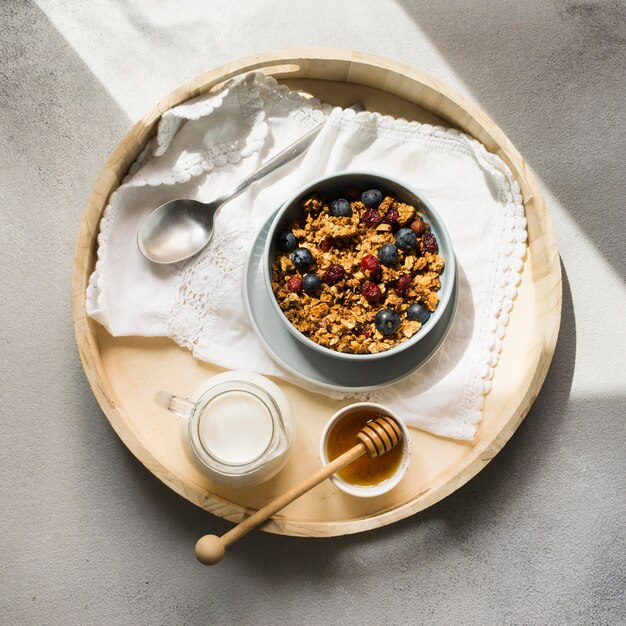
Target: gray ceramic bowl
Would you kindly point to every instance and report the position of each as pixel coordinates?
(338, 183)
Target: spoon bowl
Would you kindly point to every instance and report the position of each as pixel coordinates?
(176, 230)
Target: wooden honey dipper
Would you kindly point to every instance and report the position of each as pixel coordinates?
(376, 438)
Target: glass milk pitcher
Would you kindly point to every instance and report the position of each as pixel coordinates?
(237, 427)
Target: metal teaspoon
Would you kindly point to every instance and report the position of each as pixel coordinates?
(179, 229)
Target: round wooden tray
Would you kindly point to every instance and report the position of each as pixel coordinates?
(126, 372)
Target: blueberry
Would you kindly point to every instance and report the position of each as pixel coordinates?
(340, 208)
(302, 259)
(388, 255)
(406, 239)
(371, 198)
(387, 322)
(286, 241)
(311, 283)
(418, 313)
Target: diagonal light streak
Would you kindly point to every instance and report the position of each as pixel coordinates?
(141, 51)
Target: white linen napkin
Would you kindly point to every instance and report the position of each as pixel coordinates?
(206, 145)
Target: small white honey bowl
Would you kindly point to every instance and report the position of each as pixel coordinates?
(366, 477)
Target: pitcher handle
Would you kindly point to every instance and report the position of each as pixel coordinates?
(174, 404)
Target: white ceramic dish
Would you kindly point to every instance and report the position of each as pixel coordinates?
(319, 368)
(369, 491)
(337, 184)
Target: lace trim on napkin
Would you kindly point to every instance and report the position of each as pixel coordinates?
(204, 282)
(253, 92)
(194, 314)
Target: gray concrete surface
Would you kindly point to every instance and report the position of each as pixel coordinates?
(88, 536)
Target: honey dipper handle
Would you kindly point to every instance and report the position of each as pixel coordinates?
(210, 548)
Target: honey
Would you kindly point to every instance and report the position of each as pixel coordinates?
(365, 471)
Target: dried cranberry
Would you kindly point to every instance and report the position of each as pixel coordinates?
(371, 218)
(369, 263)
(391, 217)
(327, 244)
(430, 243)
(333, 274)
(371, 291)
(376, 275)
(295, 284)
(403, 284)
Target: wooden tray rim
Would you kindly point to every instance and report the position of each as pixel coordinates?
(352, 67)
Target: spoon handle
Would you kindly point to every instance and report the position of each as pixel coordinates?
(282, 158)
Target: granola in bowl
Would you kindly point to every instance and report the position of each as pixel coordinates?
(358, 272)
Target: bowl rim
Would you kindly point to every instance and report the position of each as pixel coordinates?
(450, 267)
(365, 491)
